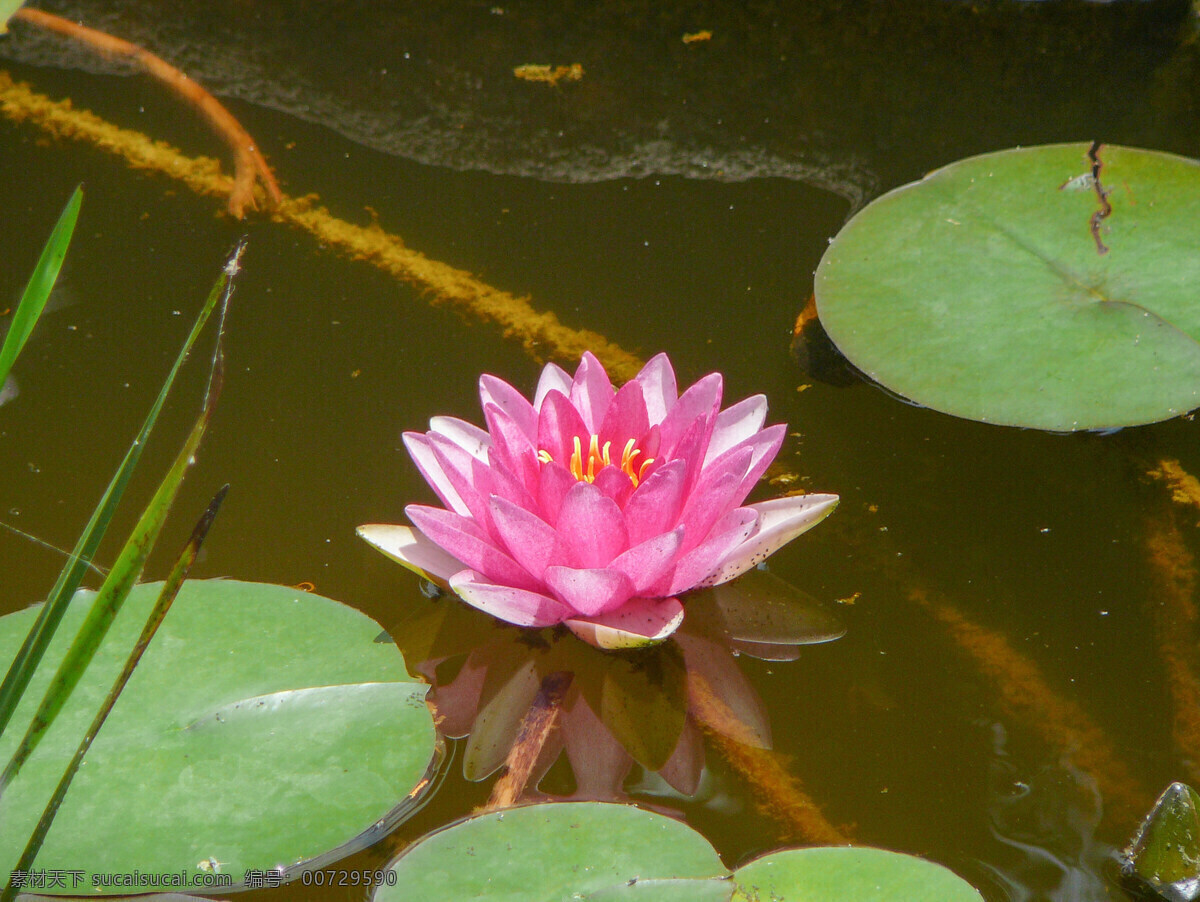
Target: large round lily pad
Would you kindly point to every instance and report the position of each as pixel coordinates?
(264, 728)
(594, 850)
(1006, 288)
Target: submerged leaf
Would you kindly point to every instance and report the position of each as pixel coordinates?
(1164, 854)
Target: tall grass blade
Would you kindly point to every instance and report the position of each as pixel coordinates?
(35, 644)
(166, 597)
(128, 566)
(41, 283)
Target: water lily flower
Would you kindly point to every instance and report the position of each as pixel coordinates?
(593, 506)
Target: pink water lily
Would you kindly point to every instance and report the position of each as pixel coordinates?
(595, 506)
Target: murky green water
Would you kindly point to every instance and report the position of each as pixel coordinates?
(897, 729)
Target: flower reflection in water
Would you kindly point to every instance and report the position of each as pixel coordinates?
(524, 698)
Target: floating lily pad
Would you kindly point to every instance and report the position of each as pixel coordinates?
(849, 872)
(593, 850)
(264, 728)
(1005, 288)
(563, 850)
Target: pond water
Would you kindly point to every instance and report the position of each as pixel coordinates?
(1006, 700)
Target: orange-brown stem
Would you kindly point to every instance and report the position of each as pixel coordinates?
(540, 332)
(778, 793)
(1061, 723)
(1173, 610)
(249, 162)
(537, 725)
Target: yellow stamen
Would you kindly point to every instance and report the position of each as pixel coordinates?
(598, 458)
(642, 471)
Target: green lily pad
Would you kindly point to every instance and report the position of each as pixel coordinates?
(561, 850)
(849, 872)
(1003, 288)
(595, 850)
(265, 728)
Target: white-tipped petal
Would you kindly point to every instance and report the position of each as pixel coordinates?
(553, 378)
(420, 449)
(780, 521)
(736, 424)
(411, 548)
(640, 622)
(466, 435)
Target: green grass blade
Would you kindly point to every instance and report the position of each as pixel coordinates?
(35, 644)
(166, 597)
(41, 283)
(128, 566)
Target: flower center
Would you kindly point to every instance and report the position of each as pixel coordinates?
(584, 468)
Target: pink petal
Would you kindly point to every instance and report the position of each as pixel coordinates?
(715, 495)
(700, 402)
(646, 562)
(553, 378)
(422, 454)
(466, 435)
(765, 446)
(559, 424)
(655, 505)
(590, 591)
(615, 484)
(527, 537)
(493, 478)
(780, 521)
(657, 379)
(511, 446)
(464, 540)
(591, 528)
(642, 621)
(729, 532)
(736, 424)
(690, 450)
(626, 419)
(591, 392)
(506, 603)
(512, 402)
(412, 549)
(553, 484)
(459, 469)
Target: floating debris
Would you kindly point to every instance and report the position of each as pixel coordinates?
(549, 75)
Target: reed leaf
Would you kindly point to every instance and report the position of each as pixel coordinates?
(128, 566)
(40, 284)
(31, 651)
(166, 596)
